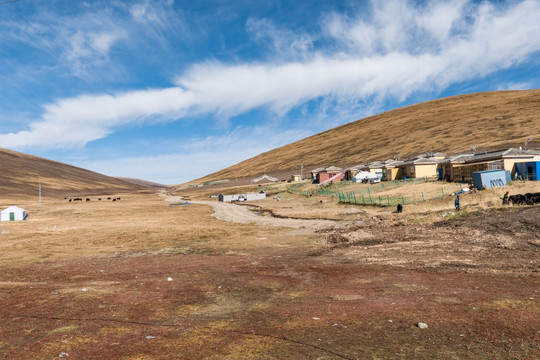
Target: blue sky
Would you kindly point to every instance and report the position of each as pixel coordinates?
(172, 90)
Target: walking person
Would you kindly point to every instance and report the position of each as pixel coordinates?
(456, 203)
(505, 199)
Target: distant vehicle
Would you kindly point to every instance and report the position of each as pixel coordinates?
(375, 180)
(214, 196)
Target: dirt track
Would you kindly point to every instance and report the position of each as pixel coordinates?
(242, 214)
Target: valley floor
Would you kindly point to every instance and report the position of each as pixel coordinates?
(141, 279)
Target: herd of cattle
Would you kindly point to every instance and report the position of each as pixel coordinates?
(526, 199)
(88, 199)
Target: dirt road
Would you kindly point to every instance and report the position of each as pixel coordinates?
(241, 214)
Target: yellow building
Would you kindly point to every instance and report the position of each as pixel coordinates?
(392, 170)
(420, 168)
(460, 168)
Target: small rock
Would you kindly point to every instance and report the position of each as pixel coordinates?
(316, 318)
(422, 325)
(5, 232)
(63, 354)
(169, 279)
(84, 289)
(149, 337)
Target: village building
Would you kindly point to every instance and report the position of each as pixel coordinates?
(314, 173)
(332, 172)
(420, 168)
(351, 172)
(460, 168)
(296, 178)
(375, 167)
(13, 213)
(242, 197)
(528, 170)
(391, 170)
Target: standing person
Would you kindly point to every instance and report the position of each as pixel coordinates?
(505, 199)
(456, 203)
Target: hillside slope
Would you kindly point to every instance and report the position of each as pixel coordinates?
(22, 173)
(486, 120)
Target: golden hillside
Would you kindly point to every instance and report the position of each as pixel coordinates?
(486, 120)
(22, 173)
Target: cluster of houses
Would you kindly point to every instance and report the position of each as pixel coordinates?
(519, 163)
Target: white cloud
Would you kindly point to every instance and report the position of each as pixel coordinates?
(284, 44)
(389, 63)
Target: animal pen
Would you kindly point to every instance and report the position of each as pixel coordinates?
(381, 194)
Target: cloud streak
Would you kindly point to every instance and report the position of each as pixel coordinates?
(380, 57)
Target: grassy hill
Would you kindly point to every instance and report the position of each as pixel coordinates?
(22, 173)
(486, 120)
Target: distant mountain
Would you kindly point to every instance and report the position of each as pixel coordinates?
(144, 183)
(488, 120)
(20, 175)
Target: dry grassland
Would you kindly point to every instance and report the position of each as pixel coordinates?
(250, 291)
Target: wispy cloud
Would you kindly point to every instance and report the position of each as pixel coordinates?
(396, 50)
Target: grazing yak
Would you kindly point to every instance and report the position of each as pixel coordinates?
(527, 199)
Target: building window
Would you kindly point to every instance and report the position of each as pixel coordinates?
(412, 169)
(496, 165)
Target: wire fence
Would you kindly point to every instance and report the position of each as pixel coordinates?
(296, 190)
(374, 194)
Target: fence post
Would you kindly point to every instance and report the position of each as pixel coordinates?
(442, 190)
(379, 200)
(369, 192)
(370, 199)
(363, 199)
(382, 187)
(388, 199)
(403, 200)
(423, 196)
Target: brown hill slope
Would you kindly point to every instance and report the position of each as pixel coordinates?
(20, 175)
(486, 120)
(144, 183)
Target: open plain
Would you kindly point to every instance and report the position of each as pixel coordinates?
(296, 278)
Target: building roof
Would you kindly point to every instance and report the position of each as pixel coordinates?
(392, 163)
(13, 209)
(493, 155)
(421, 161)
(317, 170)
(332, 168)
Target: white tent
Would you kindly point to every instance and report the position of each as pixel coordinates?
(365, 176)
(269, 178)
(12, 213)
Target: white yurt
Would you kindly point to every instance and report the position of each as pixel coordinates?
(12, 213)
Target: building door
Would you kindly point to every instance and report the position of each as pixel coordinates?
(11, 216)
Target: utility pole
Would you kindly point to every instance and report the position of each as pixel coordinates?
(40, 194)
(301, 172)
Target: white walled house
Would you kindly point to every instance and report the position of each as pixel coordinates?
(12, 213)
(242, 197)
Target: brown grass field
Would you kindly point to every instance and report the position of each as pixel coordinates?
(352, 290)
